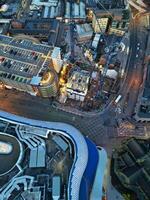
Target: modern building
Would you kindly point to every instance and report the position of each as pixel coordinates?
(77, 85)
(84, 32)
(86, 173)
(130, 165)
(27, 66)
(56, 59)
(96, 40)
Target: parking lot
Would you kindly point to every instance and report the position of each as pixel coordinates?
(22, 57)
(25, 43)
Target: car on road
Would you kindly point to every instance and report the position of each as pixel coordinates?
(21, 69)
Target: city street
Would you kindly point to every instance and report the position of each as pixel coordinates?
(101, 126)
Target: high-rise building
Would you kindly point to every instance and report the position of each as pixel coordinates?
(56, 59)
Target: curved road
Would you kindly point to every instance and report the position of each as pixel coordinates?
(101, 128)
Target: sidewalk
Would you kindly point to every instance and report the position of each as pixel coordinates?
(112, 193)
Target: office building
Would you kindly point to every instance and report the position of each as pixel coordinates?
(84, 32)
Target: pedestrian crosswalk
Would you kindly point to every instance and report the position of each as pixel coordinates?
(127, 129)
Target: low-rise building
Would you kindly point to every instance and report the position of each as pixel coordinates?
(77, 85)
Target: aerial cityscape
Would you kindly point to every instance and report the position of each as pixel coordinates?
(74, 99)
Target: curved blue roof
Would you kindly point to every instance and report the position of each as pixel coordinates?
(86, 159)
(90, 171)
(81, 148)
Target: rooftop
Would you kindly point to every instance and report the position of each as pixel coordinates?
(78, 81)
(9, 153)
(23, 57)
(132, 160)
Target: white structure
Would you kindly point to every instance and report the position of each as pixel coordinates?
(46, 10)
(111, 73)
(96, 40)
(56, 59)
(137, 5)
(98, 184)
(56, 184)
(5, 148)
(4, 8)
(77, 85)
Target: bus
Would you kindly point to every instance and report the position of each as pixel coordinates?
(118, 99)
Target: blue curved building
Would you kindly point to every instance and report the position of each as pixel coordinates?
(89, 164)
